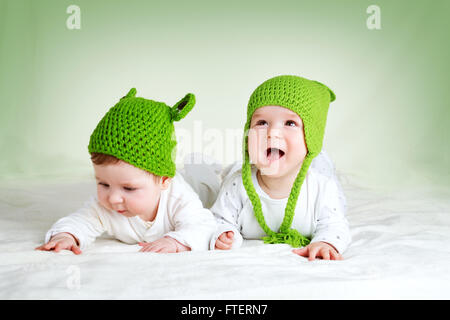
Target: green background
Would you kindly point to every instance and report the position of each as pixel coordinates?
(387, 128)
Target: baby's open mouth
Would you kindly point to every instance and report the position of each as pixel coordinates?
(274, 153)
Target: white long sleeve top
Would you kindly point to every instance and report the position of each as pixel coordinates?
(180, 215)
(319, 213)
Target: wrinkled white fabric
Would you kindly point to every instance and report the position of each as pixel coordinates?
(399, 251)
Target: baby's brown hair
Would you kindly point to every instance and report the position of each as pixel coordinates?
(105, 159)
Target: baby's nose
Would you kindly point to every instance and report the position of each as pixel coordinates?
(274, 132)
(115, 197)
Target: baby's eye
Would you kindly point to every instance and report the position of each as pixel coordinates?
(103, 184)
(129, 188)
(261, 123)
(291, 123)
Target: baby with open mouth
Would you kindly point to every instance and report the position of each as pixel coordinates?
(276, 143)
(278, 195)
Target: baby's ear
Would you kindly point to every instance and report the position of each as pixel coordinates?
(165, 182)
(182, 107)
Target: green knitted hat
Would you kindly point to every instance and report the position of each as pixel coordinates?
(310, 100)
(141, 132)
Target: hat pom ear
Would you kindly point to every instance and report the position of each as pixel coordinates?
(130, 94)
(182, 107)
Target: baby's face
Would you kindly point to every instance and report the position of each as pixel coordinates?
(128, 190)
(276, 141)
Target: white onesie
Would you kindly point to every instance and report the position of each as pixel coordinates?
(180, 215)
(319, 213)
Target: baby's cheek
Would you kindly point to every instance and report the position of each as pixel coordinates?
(297, 147)
(104, 203)
(141, 204)
(257, 145)
(102, 198)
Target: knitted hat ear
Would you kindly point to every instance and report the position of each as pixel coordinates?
(332, 95)
(130, 94)
(140, 132)
(182, 107)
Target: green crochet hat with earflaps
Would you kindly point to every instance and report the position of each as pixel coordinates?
(310, 100)
(141, 132)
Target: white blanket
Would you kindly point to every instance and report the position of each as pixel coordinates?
(400, 250)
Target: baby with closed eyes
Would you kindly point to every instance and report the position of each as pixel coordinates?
(141, 199)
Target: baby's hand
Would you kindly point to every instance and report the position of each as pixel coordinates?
(61, 241)
(163, 245)
(225, 241)
(320, 250)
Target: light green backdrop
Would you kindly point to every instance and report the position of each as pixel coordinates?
(388, 126)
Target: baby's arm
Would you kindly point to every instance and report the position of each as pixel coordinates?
(191, 225)
(226, 210)
(332, 234)
(83, 226)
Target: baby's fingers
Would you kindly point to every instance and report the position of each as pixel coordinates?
(150, 247)
(75, 249)
(219, 245)
(301, 252)
(222, 245)
(223, 237)
(313, 251)
(145, 248)
(227, 240)
(59, 246)
(335, 255)
(167, 250)
(47, 246)
(41, 247)
(325, 253)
